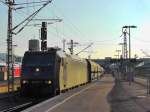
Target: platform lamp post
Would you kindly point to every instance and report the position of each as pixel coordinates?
(129, 27)
(129, 33)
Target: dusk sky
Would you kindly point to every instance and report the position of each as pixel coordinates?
(85, 21)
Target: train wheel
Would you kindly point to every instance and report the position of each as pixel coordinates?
(56, 92)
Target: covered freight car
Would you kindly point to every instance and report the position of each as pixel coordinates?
(95, 71)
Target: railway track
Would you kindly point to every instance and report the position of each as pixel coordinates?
(12, 103)
(18, 108)
(16, 103)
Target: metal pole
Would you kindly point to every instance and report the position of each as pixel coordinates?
(71, 46)
(129, 45)
(125, 45)
(129, 58)
(148, 85)
(10, 72)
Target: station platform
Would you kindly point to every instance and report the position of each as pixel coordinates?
(130, 96)
(105, 95)
(92, 97)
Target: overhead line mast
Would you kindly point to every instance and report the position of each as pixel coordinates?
(10, 32)
(10, 73)
(71, 48)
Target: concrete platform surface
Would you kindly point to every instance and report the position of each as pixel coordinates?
(129, 98)
(87, 98)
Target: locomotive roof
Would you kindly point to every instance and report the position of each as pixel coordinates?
(62, 54)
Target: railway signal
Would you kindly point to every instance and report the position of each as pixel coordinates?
(44, 36)
(43, 45)
(44, 31)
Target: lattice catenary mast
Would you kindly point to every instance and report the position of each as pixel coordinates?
(10, 72)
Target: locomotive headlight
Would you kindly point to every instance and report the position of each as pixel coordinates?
(48, 82)
(25, 82)
(37, 69)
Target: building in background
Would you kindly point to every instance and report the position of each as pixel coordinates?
(18, 59)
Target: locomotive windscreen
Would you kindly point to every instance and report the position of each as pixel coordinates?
(40, 59)
(38, 65)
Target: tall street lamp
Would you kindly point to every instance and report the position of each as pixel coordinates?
(129, 27)
(131, 77)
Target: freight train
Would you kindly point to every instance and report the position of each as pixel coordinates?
(53, 71)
